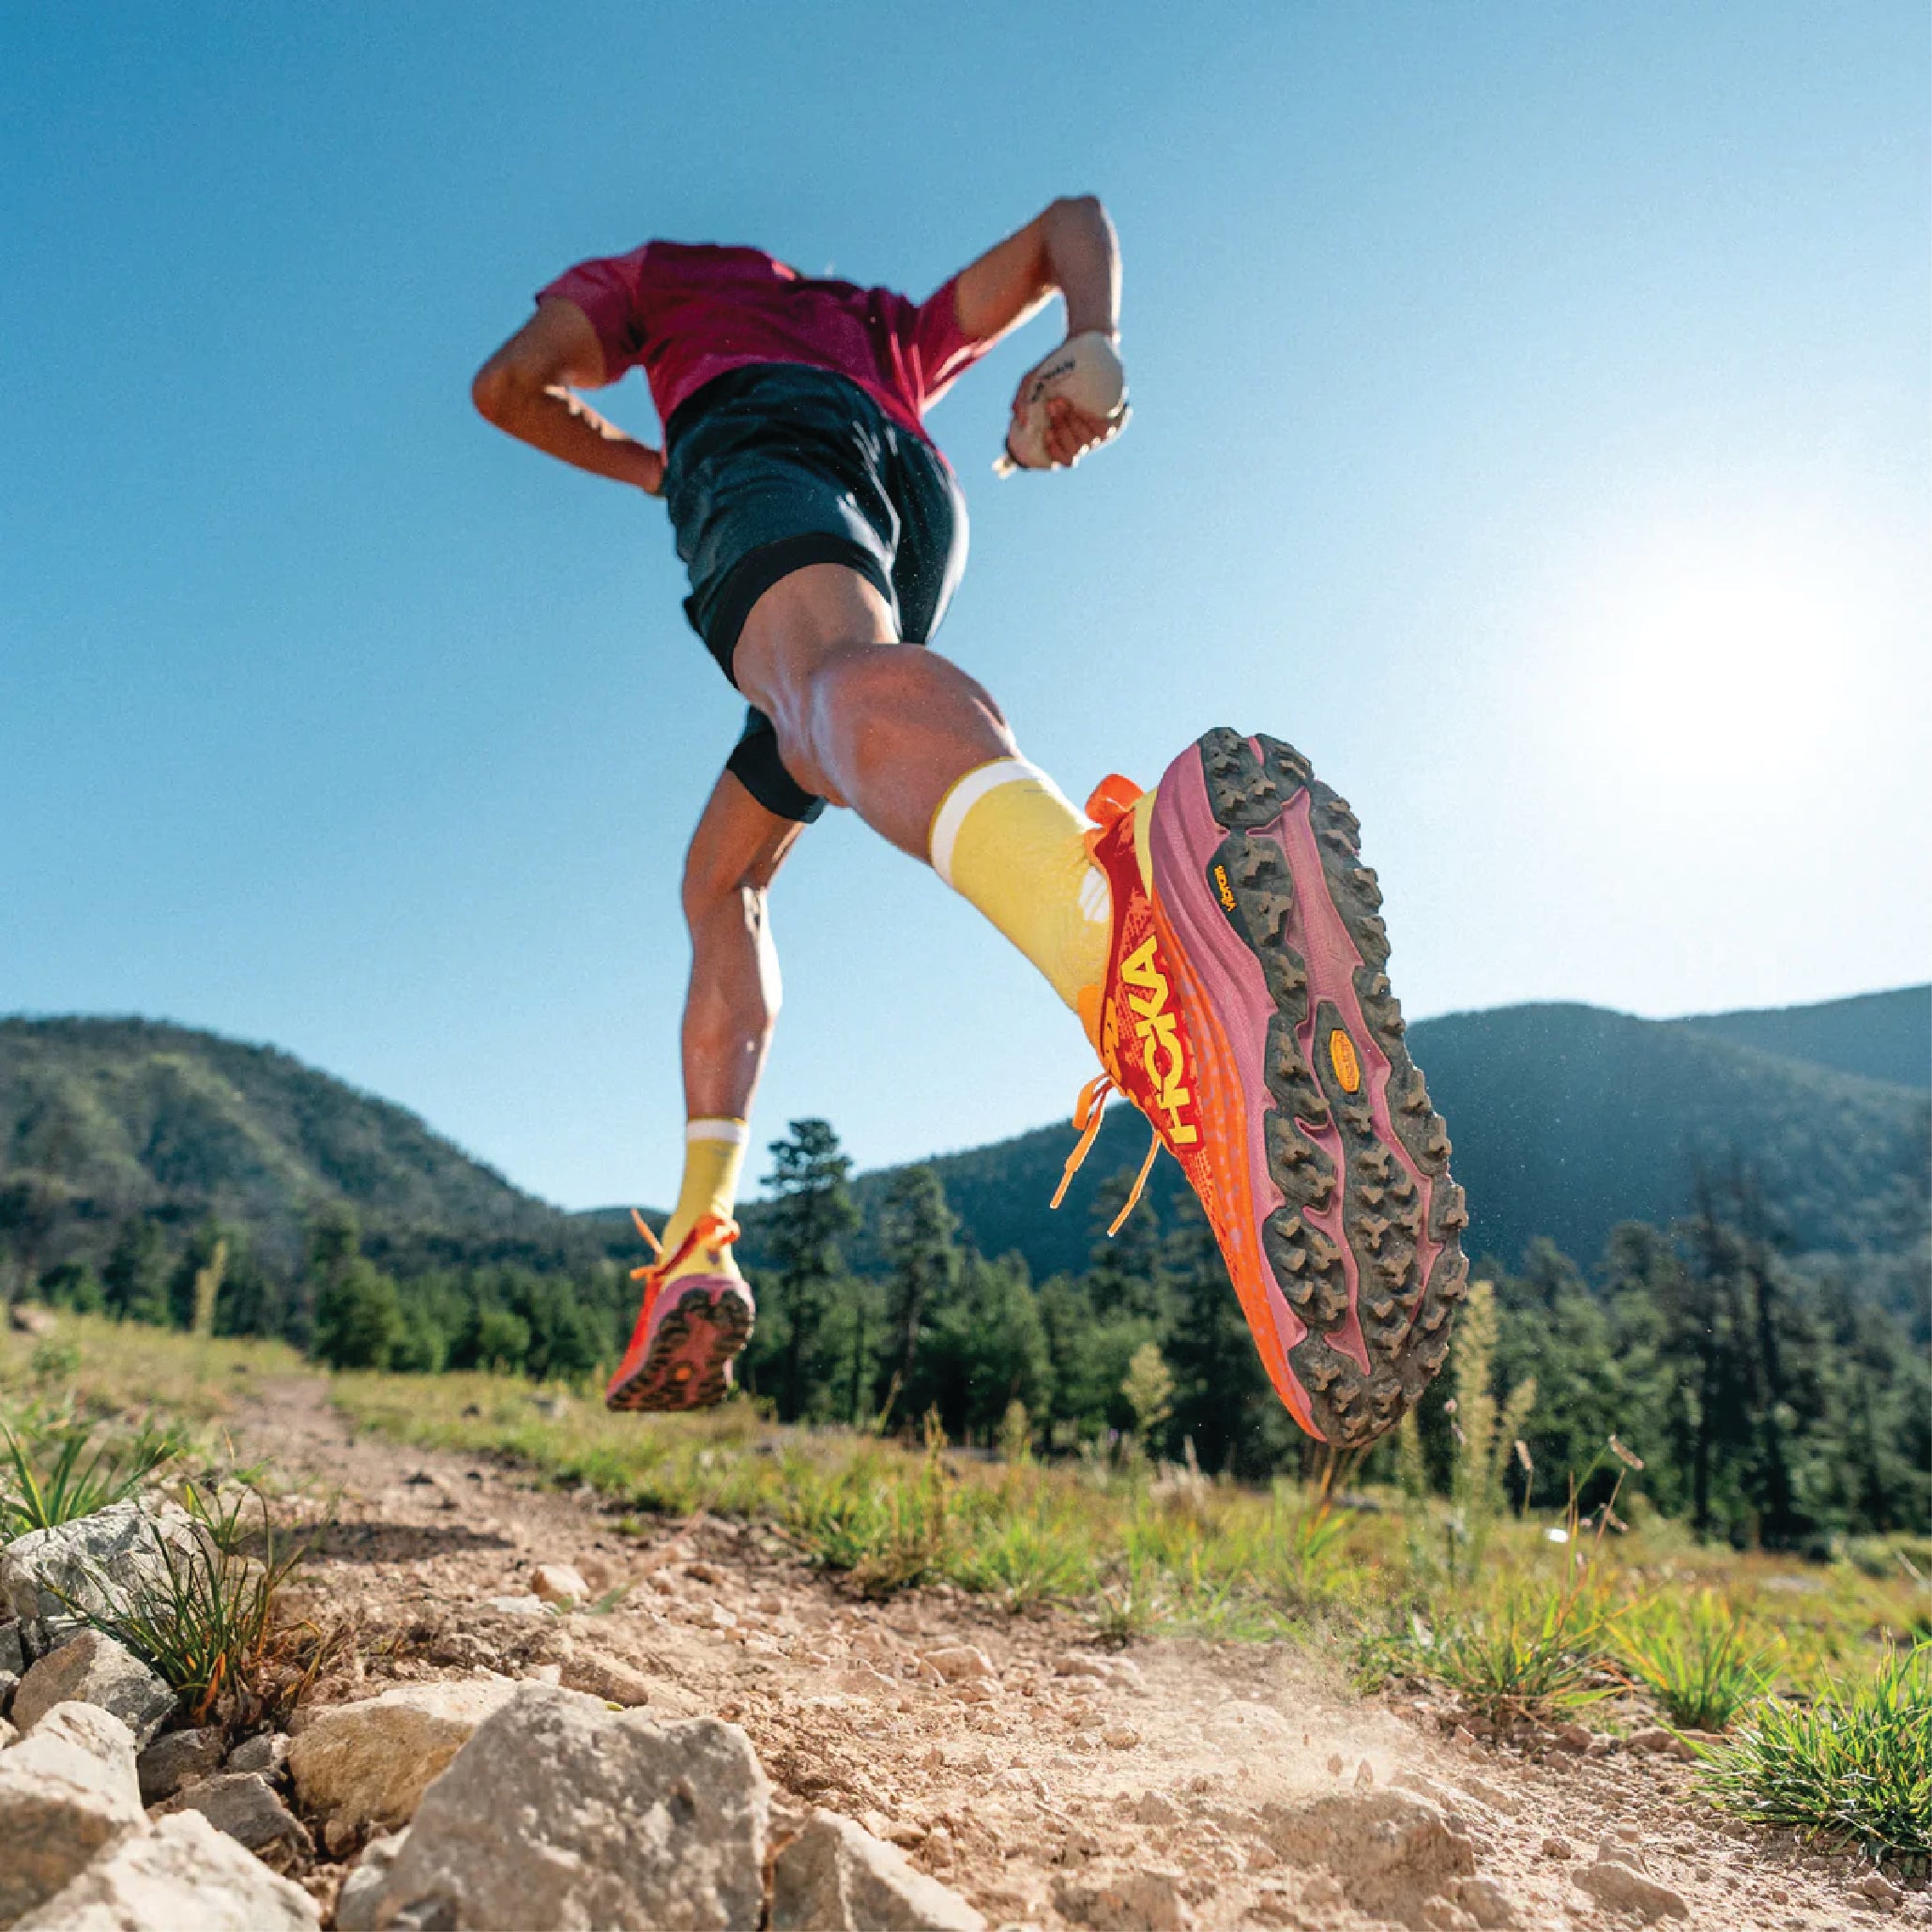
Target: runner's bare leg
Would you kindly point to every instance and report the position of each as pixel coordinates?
(862, 719)
(732, 1002)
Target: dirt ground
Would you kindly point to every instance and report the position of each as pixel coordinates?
(1064, 1785)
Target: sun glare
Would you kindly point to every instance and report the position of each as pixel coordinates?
(1709, 660)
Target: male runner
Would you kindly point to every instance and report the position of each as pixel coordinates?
(1217, 936)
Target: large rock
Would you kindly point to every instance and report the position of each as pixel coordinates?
(92, 1563)
(559, 1813)
(244, 1804)
(834, 1876)
(368, 1763)
(183, 1874)
(1391, 1851)
(67, 1794)
(92, 1668)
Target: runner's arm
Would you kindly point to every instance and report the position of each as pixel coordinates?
(528, 387)
(1069, 249)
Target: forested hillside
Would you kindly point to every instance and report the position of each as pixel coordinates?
(1881, 1036)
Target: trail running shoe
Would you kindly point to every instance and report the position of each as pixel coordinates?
(690, 1328)
(1245, 1011)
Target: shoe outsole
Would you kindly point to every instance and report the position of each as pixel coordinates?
(1365, 1245)
(688, 1364)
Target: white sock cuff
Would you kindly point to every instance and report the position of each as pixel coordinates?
(967, 792)
(735, 1131)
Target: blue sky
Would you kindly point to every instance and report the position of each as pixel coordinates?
(1532, 424)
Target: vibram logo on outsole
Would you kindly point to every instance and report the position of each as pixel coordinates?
(1342, 1058)
(1223, 890)
(1163, 1053)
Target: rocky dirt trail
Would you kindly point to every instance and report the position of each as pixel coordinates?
(1050, 1782)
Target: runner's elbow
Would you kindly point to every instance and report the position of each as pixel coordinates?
(496, 389)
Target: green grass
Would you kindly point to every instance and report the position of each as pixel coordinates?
(55, 1465)
(204, 1619)
(1853, 1769)
(1698, 1659)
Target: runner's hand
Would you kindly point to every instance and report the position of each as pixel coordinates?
(1071, 432)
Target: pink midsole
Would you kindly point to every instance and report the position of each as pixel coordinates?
(1183, 836)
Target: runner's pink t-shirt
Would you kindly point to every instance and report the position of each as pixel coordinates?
(687, 313)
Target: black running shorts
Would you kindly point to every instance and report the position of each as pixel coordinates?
(777, 466)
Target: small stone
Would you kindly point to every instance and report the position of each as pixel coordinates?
(527, 1604)
(1572, 1738)
(1390, 1850)
(957, 1662)
(1624, 1889)
(175, 1758)
(1666, 1743)
(1334, 1764)
(265, 1752)
(1879, 1890)
(183, 1874)
(558, 1583)
(1364, 1776)
(834, 1876)
(355, 1903)
(244, 1804)
(1150, 1900)
(1487, 1902)
(1120, 1736)
(599, 1676)
(1558, 1848)
(92, 1668)
(1155, 1810)
(976, 1690)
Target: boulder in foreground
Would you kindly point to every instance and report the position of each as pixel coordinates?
(559, 1812)
(67, 1794)
(183, 1874)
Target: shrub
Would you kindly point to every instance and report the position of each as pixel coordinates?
(1854, 1769)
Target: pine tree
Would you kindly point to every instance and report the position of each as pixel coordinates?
(811, 1212)
(916, 1236)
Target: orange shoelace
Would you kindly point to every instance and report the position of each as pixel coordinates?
(708, 1231)
(1087, 1119)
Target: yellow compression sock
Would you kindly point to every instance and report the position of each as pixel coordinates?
(714, 1155)
(1006, 838)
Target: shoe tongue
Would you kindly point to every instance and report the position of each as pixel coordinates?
(1111, 797)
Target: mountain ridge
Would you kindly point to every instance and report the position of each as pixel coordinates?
(1567, 1119)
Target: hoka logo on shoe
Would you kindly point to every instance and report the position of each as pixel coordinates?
(1158, 1029)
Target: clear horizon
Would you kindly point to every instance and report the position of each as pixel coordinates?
(1531, 423)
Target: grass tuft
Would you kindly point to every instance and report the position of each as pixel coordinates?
(206, 1619)
(1855, 1769)
(54, 1468)
(1696, 1659)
